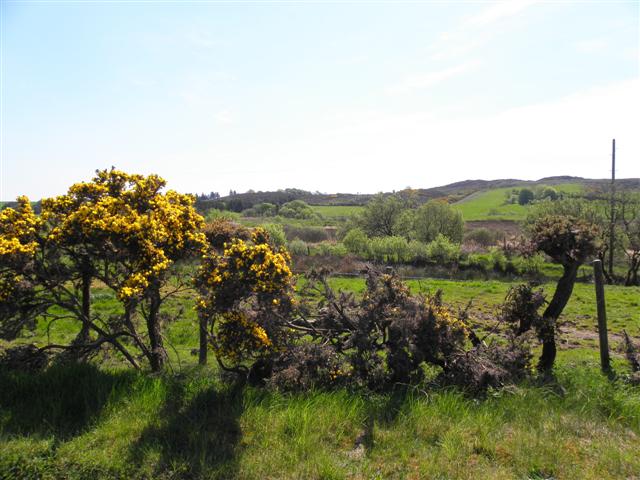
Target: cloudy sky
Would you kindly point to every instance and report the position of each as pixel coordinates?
(327, 96)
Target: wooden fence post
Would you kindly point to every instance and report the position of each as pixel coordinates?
(602, 316)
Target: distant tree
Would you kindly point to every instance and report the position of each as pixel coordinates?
(438, 218)
(549, 193)
(297, 209)
(525, 196)
(379, 217)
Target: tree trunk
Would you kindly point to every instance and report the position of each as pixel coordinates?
(632, 273)
(158, 353)
(551, 314)
(202, 358)
(83, 336)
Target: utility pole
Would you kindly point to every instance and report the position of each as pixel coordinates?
(612, 226)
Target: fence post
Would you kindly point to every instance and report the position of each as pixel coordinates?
(602, 316)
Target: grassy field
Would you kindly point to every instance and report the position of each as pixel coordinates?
(337, 211)
(490, 205)
(111, 422)
(83, 422)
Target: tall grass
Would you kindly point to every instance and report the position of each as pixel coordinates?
(81, 422)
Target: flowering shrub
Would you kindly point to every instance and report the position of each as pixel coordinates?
(119, 228)
(119, 215)
(246, 296)
(19, 236)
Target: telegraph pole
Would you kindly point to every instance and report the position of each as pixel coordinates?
(612, 225)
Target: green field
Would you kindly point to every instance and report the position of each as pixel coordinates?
(108, 421)
(490, 205)
(337, 211)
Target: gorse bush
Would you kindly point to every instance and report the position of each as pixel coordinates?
(246, 295)
(120, 229)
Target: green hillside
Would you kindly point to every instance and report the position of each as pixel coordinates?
(491, 204)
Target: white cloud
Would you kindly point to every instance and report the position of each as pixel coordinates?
(473, 32)
(594, 45)
(431, 79)
(497, 12)
(223, 117)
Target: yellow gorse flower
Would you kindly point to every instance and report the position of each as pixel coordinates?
(130, 214)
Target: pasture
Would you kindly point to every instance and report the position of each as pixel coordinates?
(490, 204)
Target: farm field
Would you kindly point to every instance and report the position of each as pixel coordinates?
(490, 205)
(337, 211)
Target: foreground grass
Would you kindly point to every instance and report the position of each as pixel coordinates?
(82, 422)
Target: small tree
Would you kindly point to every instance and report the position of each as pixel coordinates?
(525, 196)
(122, 230)
(569, 241)
(380, 215)
(438, 218)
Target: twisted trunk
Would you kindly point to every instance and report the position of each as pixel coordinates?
(551, 314)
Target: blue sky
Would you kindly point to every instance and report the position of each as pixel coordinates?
(356, 96)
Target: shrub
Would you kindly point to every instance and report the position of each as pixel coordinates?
(215, 214)
(297, 209)
(481, 236)
(276, 234)
(498, 259)
(480, 261)
(307, 234)
(438, 218)
(261, 210)
(443, 250)
(329, 249)
(418, 251)
(356, 242)
(221, 231)
(389, 249)
(298, 247)
(246, 294)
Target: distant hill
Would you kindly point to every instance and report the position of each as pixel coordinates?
(452, 192)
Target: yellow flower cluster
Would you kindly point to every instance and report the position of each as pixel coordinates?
(257, 266)
(130, 215)
(446, 318)
(237, 334)
(18, 228)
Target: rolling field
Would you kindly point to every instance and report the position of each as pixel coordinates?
(490, 205)
(336, 211)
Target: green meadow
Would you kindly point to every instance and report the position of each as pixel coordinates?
(490, 204)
